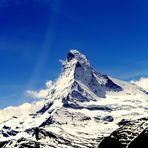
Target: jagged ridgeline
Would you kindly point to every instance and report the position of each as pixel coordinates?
(83, 107)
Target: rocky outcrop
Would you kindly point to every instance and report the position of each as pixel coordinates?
(132, 134)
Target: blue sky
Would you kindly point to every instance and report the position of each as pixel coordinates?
(35, 34)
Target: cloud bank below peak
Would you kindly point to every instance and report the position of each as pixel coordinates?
(17, 111)
(142, 82)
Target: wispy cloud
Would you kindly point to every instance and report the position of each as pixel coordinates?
(41, 93)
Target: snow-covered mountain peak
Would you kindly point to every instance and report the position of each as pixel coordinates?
(81, 108)
(75, 60)
(79, 80)
(84, 73)
(76, 55)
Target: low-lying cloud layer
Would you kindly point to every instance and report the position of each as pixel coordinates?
(142, 82)
(23, 109)
(26, 108)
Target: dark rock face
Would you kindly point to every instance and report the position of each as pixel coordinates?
(123, 122)
(132, 134)
(47, 122)
(97, 107)
(111, 85)
(96, 82)
(3, 143)
(141, 141)
(6, 127)
(41, 133)
(22, 142)
(84, 73)
(45, 108)
(74, 105)
(29, 143)
(79, 97)
(108, 118)
(105, 119)
(109, 142)
(70, 56)
(7, 131)
(74, 54)
(10, 133)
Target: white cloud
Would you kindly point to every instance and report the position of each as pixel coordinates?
(48, 84)
(62, 62)
(41, 93)
(26, 108)
(23, 109)
(142, 82)
(37, 94)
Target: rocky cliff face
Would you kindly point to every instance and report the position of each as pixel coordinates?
(132, 134)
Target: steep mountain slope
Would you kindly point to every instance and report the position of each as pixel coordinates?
(81, 108)
(133, 134)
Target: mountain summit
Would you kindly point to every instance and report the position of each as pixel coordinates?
(84, 74)
(75, 54)
(82, 107)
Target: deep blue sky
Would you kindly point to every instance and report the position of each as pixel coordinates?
(35, 34)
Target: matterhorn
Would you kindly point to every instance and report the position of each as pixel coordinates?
(83, 109)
